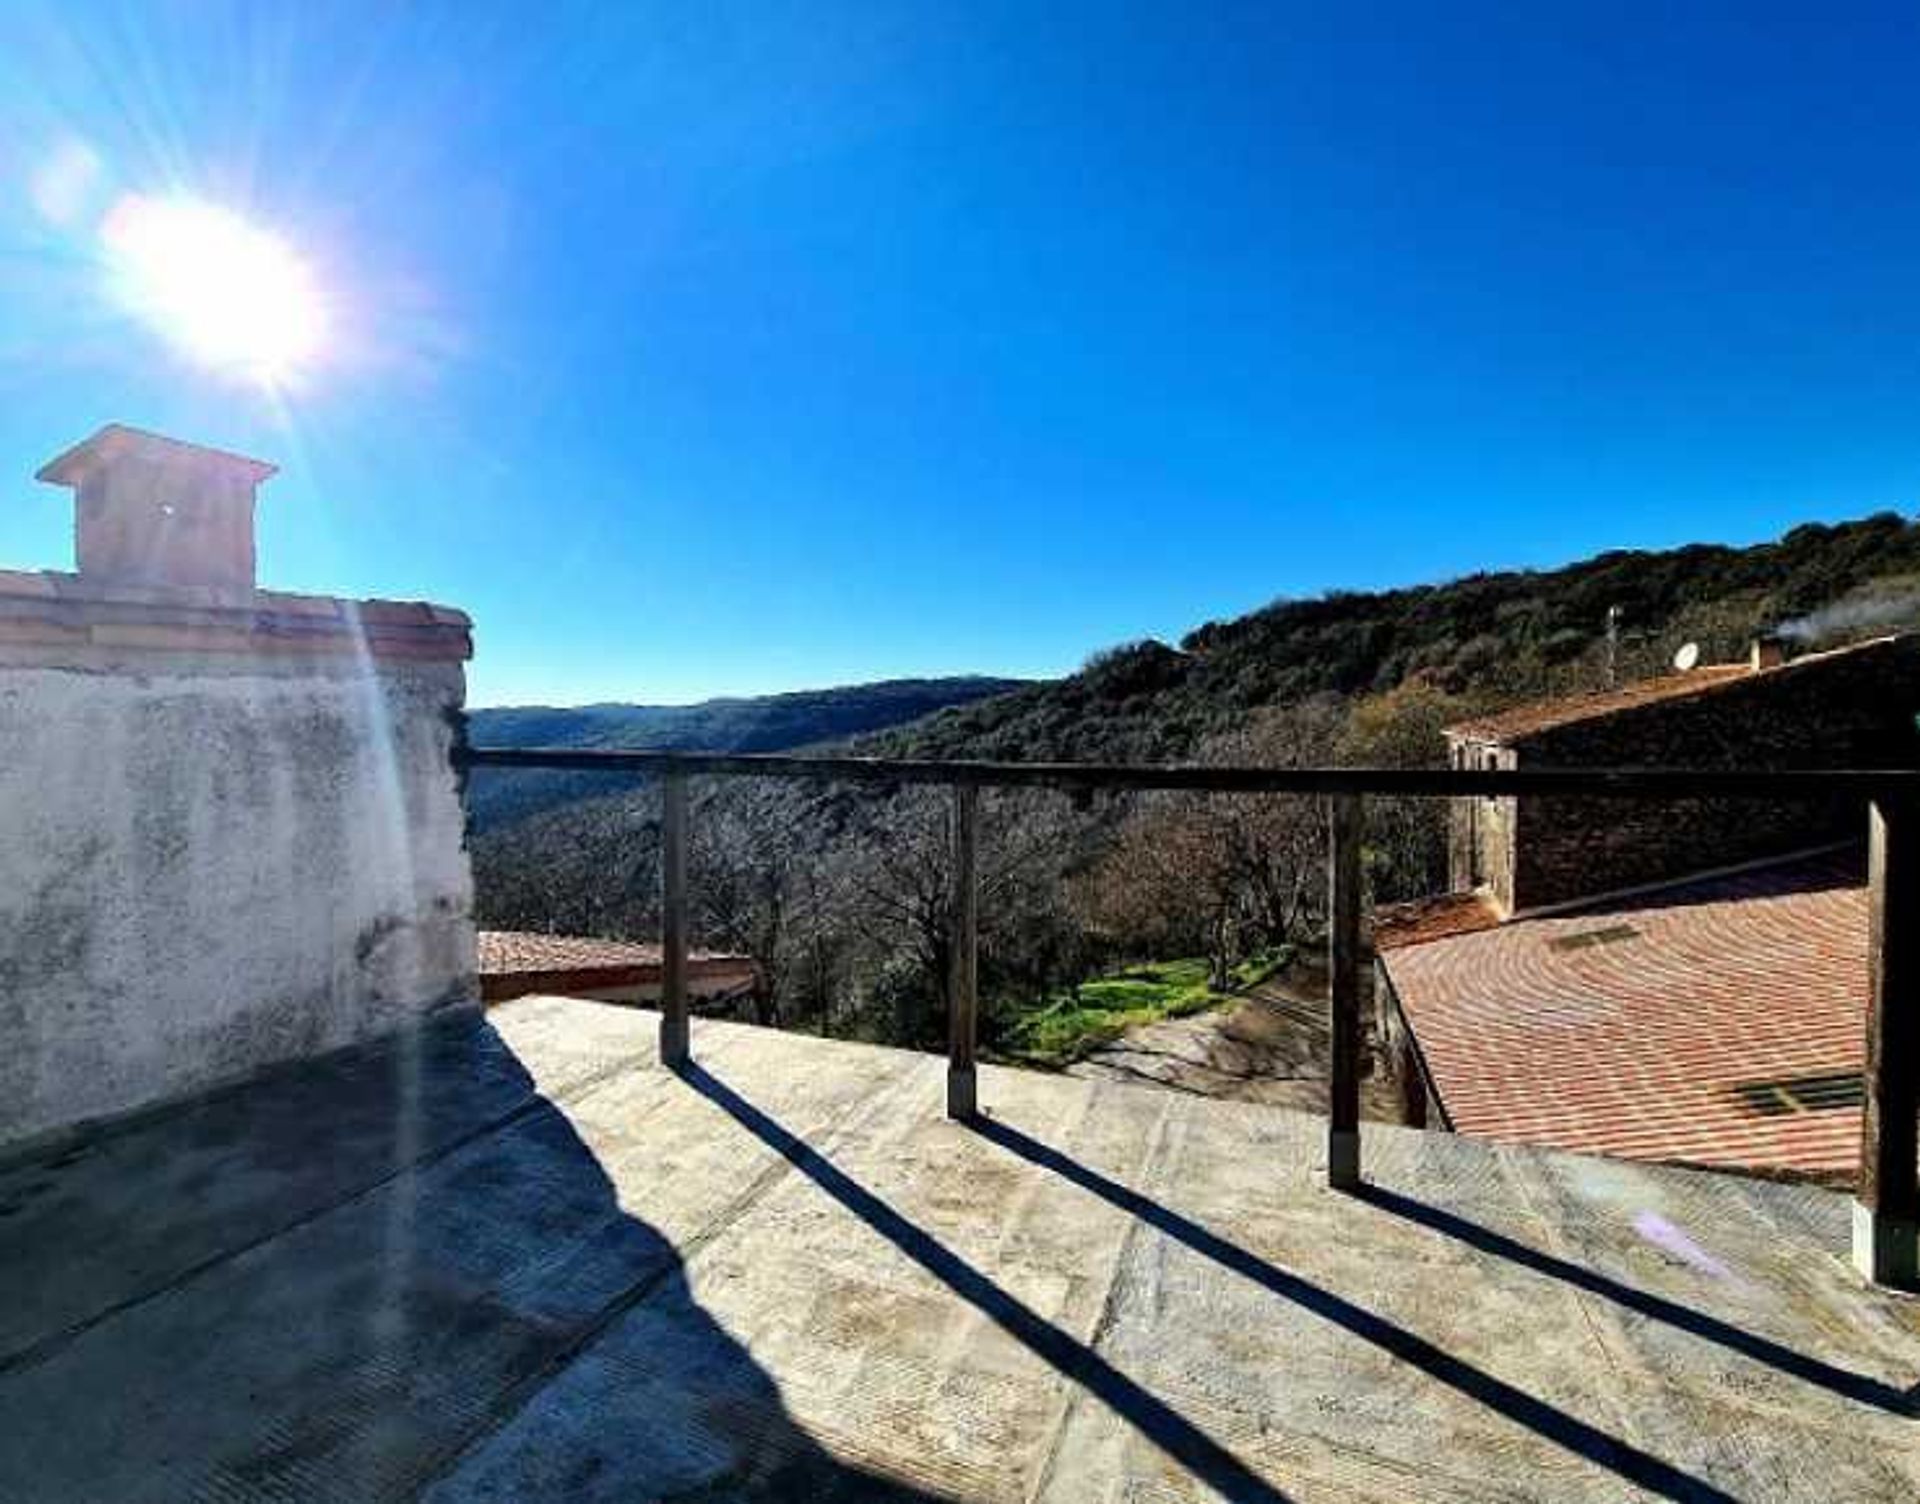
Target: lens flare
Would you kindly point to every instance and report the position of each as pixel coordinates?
(1657, 1230)
(227, 293)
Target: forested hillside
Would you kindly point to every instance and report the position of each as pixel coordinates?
(842, 893)
(764, 723)
(1504, 637)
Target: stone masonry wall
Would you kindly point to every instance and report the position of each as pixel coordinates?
(1480, 836)
(1854, 708)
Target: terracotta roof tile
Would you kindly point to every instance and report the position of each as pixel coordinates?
(1544, 715)
(1424, 919)
(1649, 1028)
(503, 951)
(507, 951)
(516, 962)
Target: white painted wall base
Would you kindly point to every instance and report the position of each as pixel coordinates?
(1886, 1250)
(206, 873)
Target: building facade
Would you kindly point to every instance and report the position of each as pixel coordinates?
(1852, 707)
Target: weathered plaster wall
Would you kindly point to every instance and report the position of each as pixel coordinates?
(208, 868)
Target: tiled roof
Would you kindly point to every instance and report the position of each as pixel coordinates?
(504, 951)
(1426, 919)
(1525, 720)
(515, 962)
(1717, 1022)
(1545, 715)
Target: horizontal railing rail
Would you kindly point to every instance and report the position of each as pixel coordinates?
(1426, 783)
(1887, 1203)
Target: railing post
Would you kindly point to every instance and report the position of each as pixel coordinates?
(675, 1033)
(1343, 991)
(1886, 1212)
(964, 978)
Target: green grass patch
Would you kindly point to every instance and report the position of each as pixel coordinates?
(1072, 1024)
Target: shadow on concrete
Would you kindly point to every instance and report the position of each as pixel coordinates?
(1841, 1381)
(1640, 1468)
(1159, 1422)
(397, 1273)
(705, 1399)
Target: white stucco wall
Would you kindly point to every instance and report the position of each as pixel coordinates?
(203, 872)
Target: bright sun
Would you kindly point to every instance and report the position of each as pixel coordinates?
(228, 293)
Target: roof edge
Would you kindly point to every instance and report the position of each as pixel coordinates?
(118, 441)
(1591, 706)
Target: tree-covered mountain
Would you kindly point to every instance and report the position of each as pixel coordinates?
(1486, 639)
(761, 723)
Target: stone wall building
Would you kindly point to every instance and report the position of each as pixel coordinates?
(1679, 981)
(1851, 707)
(233, 832)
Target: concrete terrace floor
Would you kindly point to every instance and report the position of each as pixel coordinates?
(515, 1259)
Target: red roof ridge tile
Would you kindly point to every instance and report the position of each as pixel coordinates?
(1522, 721)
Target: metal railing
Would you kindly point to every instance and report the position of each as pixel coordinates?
(1887, 1200)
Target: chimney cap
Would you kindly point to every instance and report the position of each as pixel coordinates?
(119, 441)
(1769, 650)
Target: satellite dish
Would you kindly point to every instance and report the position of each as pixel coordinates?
(1687, 657)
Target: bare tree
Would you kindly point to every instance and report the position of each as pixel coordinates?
(1406, 838)
(1223, 874)
(591, 868)
(900, 883)
(764, 883)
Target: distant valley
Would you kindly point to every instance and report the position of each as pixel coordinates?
(760, 723)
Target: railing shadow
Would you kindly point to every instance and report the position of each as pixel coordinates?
(421, 1282)
(1629, 1462)
(1158, 1421)
(1841, 1381)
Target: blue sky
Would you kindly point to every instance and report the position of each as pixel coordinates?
(716, 349)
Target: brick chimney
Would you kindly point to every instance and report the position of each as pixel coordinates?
(1769, 651)
(150, 510)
